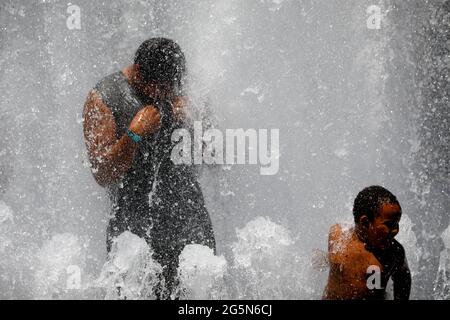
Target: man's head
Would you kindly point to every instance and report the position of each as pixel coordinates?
(161, 66)
(377, 214)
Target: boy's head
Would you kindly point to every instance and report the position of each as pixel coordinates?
(377, 214)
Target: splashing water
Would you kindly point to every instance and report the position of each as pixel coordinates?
(265, 265)
(54, 261)
(6, 247)
(442, 282)
(346, 98)
(6, 221)
(408, 240)
(201, 273)
(130, 272)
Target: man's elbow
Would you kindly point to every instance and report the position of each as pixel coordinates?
(102, 178)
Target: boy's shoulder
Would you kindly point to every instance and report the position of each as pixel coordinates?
(397, 249)
(340, 231)
(344, 247)
(397, 245)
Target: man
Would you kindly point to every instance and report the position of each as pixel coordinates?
(128, 121)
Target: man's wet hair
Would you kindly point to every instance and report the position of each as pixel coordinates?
(369, 201)
(161, 60)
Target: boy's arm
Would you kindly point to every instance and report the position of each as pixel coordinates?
(402, 281)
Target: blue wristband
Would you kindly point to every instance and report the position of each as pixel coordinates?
(134, 136)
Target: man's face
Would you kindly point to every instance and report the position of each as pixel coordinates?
(385, 226)
(158, 91)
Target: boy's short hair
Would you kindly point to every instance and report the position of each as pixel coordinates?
(368, 202)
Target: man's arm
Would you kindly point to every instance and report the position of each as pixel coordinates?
(111, 158)
(402, 281)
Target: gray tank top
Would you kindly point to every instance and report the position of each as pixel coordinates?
(124, 102)
(154, 191)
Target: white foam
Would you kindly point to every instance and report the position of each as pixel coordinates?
(408, 240)
(6, 222)
(55, 263)
(201, 273)
(266, 265)
(6, 214)
(259, 239)
(442, 281)
(130, 271)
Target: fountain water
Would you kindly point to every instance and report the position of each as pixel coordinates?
(343, 95)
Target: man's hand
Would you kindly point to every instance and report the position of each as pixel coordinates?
(146, 121)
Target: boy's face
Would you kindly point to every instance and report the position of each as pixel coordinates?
(385, 226)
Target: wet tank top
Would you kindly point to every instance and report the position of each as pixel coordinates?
(155, 198)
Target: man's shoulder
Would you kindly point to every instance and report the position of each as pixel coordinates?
(110, 80)
(109, 88)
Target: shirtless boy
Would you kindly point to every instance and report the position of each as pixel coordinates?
(359, 254)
